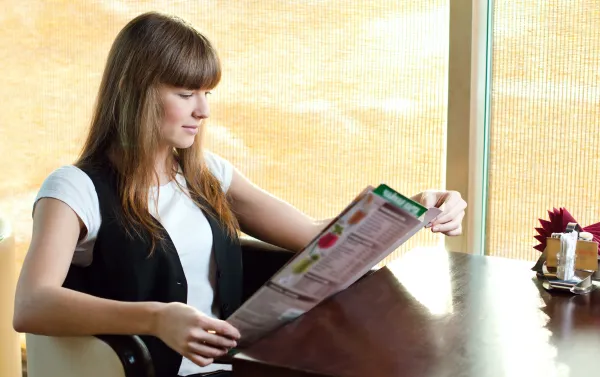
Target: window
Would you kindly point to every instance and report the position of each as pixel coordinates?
(311, 108)
(545, 112)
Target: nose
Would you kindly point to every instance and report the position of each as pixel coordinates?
(201, 110)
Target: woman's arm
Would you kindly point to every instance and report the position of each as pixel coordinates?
(275, 221)
(43, 306)
(270, 219)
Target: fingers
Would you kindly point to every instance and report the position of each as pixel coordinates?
(449, 222)
(455, 232)
(429, 199)
(205, 350)
(221, 327)
(454, 207)
(215, 340)
(217, 333)
(204, 347)
(193, 334)
(199, 360)
(451, 228)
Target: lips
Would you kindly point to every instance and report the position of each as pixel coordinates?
(192, 130)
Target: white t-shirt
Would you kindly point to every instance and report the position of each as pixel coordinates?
(183, 220)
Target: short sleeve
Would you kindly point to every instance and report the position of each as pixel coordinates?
(74, 187)
(220, 168)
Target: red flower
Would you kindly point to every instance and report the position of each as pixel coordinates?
(557, 223)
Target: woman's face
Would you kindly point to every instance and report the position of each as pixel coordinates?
(184, 110)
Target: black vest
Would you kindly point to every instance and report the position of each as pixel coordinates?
(123, 269)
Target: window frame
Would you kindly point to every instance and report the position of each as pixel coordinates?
(469, 92)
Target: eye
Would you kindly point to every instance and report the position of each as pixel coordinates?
(207, 94)
(185, 95)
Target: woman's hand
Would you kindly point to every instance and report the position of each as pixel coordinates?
(449, 222)
(193, 334)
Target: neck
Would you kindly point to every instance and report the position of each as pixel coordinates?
(165, 165)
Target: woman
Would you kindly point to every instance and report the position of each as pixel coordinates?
(139, 235)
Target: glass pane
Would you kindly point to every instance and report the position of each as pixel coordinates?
(311, 108)
(544, 119)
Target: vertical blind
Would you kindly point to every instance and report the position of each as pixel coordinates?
(318, 98)
(545, 118)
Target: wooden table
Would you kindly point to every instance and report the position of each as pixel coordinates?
(434, 313)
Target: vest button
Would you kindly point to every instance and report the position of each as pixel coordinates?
(219, 274)
(225, 307)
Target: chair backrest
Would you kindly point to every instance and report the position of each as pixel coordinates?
(260, 262)
(10, 346)
(84, 356)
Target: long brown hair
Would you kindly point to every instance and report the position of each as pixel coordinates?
(152, 50)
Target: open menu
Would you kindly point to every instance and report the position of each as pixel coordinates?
(375, 224)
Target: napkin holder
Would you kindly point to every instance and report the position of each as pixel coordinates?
(586, 265)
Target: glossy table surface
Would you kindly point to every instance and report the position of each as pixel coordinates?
(434, 313)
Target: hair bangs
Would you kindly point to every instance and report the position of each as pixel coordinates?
(194, 66)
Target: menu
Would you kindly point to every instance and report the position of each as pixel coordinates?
(371, 227)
